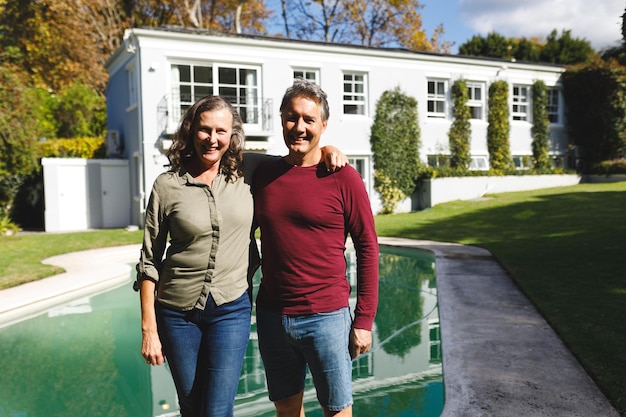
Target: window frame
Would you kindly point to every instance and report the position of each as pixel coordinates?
(553, 107)
(362, 164)
(479, 163)
(306, 72)
(246, 84)
(437, 98)
(474, 103)
(351, 97)
(132, 84)
(520, 103)
(522, 162)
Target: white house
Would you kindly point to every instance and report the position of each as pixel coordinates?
(157, 73)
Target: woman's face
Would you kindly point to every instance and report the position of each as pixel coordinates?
(212, 134)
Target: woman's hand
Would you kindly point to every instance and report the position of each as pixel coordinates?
(151, 348)
(333, 158)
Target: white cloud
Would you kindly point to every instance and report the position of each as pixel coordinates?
(599, 22)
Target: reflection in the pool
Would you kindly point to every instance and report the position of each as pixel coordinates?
(83, 358)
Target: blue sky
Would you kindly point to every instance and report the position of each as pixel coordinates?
(598, 21)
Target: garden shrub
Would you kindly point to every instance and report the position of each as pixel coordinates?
(460, 130)
(498, 128)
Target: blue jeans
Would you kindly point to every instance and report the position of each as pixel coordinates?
(205, 351)
(289, 343)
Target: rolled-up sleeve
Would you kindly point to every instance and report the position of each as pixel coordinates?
(154, 239)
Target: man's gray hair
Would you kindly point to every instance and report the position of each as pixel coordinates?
(309, 90)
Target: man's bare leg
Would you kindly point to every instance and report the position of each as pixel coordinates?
(346, 412)
(291, 406)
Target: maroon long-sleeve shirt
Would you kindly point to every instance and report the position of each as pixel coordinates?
(305, 214)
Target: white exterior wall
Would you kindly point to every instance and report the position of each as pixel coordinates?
(442, 190)
(152, 53)
(82, 194)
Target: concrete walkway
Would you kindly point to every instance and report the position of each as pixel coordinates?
(500, 357)
(86, 273)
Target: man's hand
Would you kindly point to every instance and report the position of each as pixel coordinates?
(360, 342)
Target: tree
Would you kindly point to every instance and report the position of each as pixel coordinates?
(377, 23)
(565, 50)
(106, 20)
(492, 46)
(498, 127)
(60, 42)
(595, 102)
(460, 130)
(230, 16)
(395, 146)
(527, 50)
(18, 136)
(55, 44)
(80, 112)
(541, 126)
(384, 23)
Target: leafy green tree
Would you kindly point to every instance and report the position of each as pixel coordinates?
(498, 128)
(562, 49)
(527, 50)
(595, 103)
(395, 146)
(460, 130)
(493, 46)
(45, 105)
(565, 50)
(18, 136)
(80, 112)
(541, 126)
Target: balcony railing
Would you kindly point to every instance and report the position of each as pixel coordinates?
(256, 113)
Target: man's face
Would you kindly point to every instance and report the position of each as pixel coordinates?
(302, 125)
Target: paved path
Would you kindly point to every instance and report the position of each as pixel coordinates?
(500, 357)
(87, 272)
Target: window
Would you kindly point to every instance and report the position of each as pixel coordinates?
(307, 74)
(436, 100)
(133, 94)
(354, 93)
(476, 101)
(479, 163)
(360, 165)
(238, 84)
(521, 98)
(522, 161)
(553, 105)
(438, 160)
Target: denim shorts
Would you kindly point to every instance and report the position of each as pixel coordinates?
(289, 343)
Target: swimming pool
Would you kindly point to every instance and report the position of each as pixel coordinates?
(83, 358)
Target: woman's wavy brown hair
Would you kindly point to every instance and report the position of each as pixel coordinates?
(182, 149)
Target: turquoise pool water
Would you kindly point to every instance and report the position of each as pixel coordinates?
(83, 358)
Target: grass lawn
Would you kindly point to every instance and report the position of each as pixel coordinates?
(21, 254)
(564, 247)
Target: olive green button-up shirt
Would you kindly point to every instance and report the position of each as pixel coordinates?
(209, 229)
